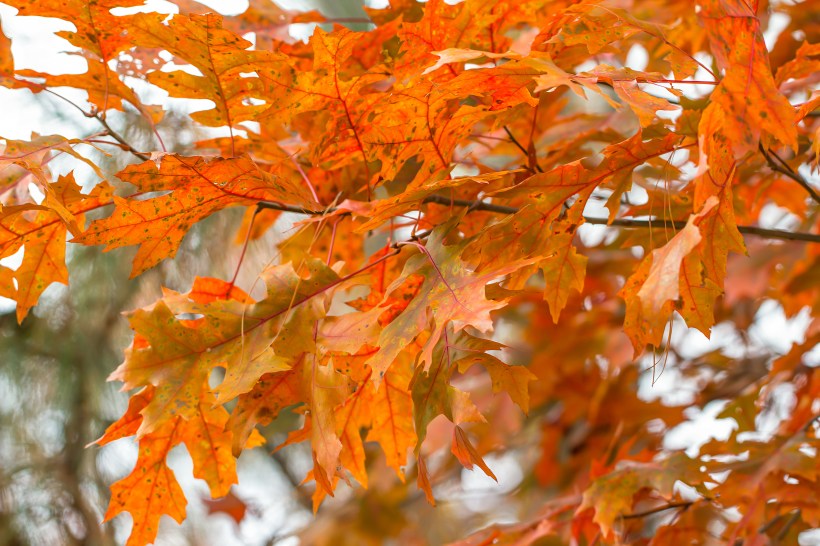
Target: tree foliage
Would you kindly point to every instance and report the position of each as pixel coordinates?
(442, 170)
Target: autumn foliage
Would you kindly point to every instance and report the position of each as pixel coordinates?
(444, 169)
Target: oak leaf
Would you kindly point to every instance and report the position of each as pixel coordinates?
(192, 189)
(747, 92)
(151, 490)
(248, 340)
(656, 283)
(612, 495)
(220, 56)
(451, 294)
(42, 232)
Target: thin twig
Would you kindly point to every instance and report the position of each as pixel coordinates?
(659, 509)
(785, 169)
(522, 148)
(786, 526)
(109, 131)
(296, 209)
(619, 222)
(116, 136)
(767, 526)
(766, 233)
(304, 175)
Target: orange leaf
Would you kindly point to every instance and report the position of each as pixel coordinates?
(101, 36)
(424, 480)
(209, 444)
(391, 409)
(353, 415)
(198, 188)
(128, 424)
(747, 92)
(431, 390)
(230, 505)
(657, 282)
(249, 341)
(220, 56)
(466, 453)
(550, 190)
(612, 495)
(513, 380)
(564, 270)
(259, 406)
(451, 293)
(43, 238)
(325, 389)
(151, 490)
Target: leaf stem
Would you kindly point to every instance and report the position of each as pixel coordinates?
(244, 249)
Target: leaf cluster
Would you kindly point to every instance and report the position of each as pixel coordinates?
(443, 170)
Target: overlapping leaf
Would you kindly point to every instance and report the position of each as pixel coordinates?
(101, 36)
(32, 157)
(42, 233)
(551, 190)
(612, 495)
(333, 92)
(151, 490)
(177, 355)
(651, 291)
(451, 294)
(221, 57)
(747, 92)
(193, 188)
(433, 395)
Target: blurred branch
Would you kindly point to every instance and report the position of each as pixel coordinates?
(785, 169)
(671, 506)
(294, 480)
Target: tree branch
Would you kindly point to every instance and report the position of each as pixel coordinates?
(521, 147)
(767, 526)
(109, 131)
(659, 509)
(785, 169)
(116, 136)
(619, 222)
(787, 526)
